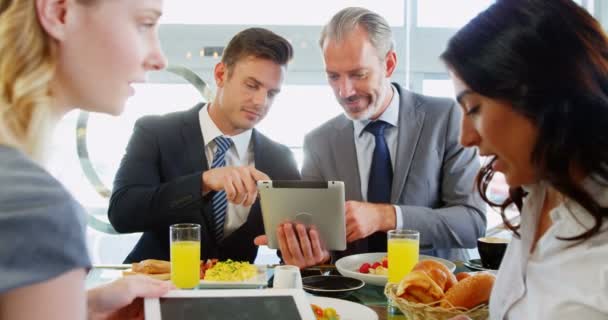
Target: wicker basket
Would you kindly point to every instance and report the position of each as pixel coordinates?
(420, 311)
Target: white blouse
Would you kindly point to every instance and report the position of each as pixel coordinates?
(560, 279)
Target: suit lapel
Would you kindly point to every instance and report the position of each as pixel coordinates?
(411, 119)
(193, 139)
(260, 155)
(344, 148)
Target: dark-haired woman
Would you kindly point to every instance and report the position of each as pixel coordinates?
(531, 77)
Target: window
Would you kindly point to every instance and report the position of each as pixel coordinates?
(438, 88)
(448, 14)
(498, 189)
(273, 12)
(107, 137)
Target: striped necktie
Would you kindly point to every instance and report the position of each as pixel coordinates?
(219, 204)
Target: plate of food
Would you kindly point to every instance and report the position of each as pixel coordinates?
(213, 273)
(373, 267)
(334, 309)
(232, 274)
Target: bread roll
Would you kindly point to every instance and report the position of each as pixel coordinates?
(152, 266)
(470, 292)
(438, 272)
(462, 275)
(418, 286)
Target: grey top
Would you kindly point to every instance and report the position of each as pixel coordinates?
(42, 228)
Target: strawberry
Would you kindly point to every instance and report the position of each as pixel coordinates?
(385, 263)
(376, 265)
(364, 268)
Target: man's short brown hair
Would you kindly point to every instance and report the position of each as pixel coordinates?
(260, 43)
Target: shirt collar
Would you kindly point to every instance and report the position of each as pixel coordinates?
(390, 115)
(569, 217)
(211, 131)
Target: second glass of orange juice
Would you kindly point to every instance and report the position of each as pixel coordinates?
(185, 255)
(403, 246)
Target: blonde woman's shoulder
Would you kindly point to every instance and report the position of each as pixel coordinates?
(23, 180)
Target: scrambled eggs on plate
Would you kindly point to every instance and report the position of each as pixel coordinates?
(231, 271)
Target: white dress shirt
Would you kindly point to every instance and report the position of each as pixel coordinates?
(560, 279)
(239, 154)
(365, 142)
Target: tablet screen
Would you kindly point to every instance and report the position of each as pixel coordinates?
(211, 308)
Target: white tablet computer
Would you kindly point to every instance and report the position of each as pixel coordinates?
(318, 203)
(229, 304)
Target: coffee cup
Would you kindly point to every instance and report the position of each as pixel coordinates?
(491, 250)
(287, 277)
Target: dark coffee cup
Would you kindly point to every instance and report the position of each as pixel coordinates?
(491, 250)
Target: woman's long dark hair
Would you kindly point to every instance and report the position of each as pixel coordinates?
(549, 59)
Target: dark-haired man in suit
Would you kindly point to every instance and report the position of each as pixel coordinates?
(201, 165)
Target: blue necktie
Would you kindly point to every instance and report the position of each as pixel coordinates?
(380, 179)
(218, 201)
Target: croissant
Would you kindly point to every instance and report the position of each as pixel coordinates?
(438, 272)
(418, 286)
(151, 266)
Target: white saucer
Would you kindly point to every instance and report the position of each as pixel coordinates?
(475, 264)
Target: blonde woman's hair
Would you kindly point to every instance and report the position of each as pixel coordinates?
(27, 67)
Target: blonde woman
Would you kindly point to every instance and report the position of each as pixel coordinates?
(56, 55)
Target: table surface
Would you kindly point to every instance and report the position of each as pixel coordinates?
(370, 296)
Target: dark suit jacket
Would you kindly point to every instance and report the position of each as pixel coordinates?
(433, 180)
(159, 184)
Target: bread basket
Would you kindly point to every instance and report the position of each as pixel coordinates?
(420, 311)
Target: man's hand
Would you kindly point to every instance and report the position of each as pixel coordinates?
(239, 183)
(364, 218)
(299, 247)
(120, 299)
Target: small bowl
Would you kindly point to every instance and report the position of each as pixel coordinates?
(331, 286)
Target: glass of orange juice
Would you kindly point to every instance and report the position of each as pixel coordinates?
(403, 246)
(185, 255)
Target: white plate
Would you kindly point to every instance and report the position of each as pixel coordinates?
(349, 266)
(259, 280)
(347, 310)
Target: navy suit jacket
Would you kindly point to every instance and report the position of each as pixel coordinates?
(159, 184)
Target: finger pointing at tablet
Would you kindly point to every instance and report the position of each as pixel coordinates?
(239, 183)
